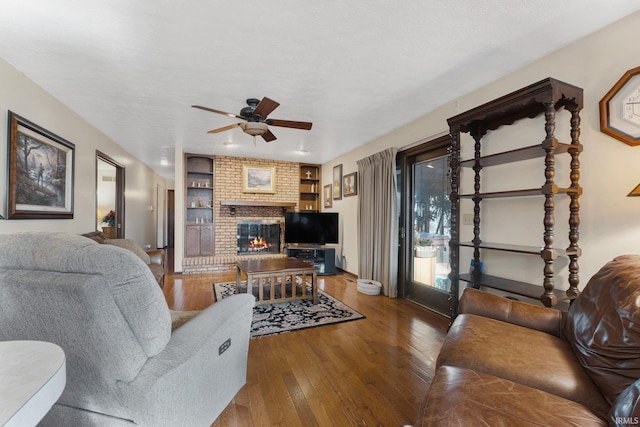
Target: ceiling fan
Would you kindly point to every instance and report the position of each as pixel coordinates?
(255, 121)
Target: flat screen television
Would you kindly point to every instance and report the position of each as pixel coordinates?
(316, 228)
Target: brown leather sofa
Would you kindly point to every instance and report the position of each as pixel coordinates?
(508, 363)
(155, 259)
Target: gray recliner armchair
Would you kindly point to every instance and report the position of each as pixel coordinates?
(125, 366)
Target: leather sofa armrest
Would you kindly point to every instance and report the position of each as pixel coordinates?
(156, 256)
(530, 316)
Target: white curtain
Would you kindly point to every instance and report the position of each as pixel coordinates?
(378, 225)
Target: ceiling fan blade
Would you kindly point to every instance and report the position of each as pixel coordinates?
(222, 129)
(268, 136)
(218, 111)
(265, 107)
(290, 124)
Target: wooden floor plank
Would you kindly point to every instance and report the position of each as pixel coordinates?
(367, 372)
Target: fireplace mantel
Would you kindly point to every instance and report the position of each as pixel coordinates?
(258, 203)
(234, 203)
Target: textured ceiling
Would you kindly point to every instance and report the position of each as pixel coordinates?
(356, 69)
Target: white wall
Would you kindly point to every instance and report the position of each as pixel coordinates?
(610, 221)
(25, 98)
(179, 210)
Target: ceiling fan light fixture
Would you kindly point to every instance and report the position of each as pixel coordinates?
(254, 128)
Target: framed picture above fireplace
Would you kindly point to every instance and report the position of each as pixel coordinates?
(258, 179)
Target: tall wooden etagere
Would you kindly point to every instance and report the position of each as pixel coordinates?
(544, 97)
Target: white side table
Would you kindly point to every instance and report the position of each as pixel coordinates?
(32, 378)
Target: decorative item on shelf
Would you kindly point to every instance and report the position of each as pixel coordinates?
(200, 203)
(634, 193)
(472, 265)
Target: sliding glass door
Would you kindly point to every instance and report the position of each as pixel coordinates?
(425, 222)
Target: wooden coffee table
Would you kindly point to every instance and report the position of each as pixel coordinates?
(277, 279)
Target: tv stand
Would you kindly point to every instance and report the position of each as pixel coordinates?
(324, 259)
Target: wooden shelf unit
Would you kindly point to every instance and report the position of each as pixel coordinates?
(199, 203)
(309, 187)
(544, 97)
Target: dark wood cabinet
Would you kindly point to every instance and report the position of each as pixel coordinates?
(542, 98)
(199, 240)
(199, 202)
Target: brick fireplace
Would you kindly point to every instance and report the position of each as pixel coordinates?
(228, 187)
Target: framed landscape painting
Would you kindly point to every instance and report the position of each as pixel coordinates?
(258, 179)
(41, 169)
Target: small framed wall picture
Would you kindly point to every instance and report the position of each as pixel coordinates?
(337, 182)
(327, 196)
(350, 184)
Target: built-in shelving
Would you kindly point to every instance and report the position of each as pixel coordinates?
(199, 202)
(309, 187)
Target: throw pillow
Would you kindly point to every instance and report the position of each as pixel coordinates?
(132, 246)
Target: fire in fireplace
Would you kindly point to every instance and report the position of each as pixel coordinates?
(258, 236)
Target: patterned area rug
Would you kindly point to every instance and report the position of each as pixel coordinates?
(280, 317)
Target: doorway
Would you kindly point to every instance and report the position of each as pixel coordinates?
(425, 224)
(109, 196)
(171, 219)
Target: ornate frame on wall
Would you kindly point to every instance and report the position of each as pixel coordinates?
(620, 109)
(40, 172)
(350, 184)
(328, 196)
(337, 182)
(259, 179)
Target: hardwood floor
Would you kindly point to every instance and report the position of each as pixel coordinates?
(368, 372)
